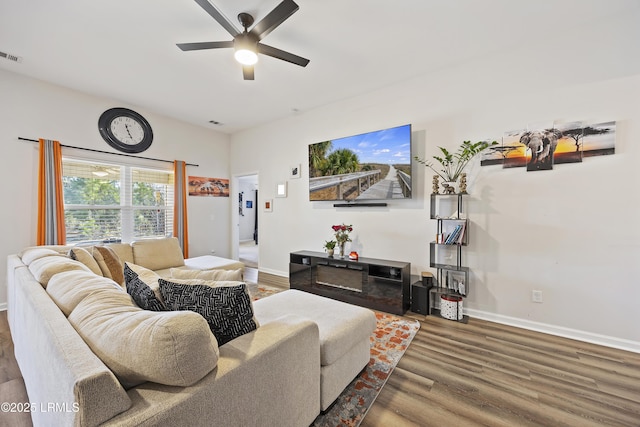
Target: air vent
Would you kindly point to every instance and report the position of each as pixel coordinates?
(10, 57)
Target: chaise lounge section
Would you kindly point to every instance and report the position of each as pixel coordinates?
(344, 329)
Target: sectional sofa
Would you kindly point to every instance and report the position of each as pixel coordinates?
(89, 356)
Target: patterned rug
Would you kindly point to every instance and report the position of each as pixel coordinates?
(388, 343)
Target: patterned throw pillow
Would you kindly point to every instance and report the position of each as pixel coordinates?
(149, 277)
(227, 309)
(141, 293)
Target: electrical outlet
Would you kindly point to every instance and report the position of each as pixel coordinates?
(536, 296)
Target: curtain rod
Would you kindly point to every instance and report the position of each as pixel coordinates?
(107, 152)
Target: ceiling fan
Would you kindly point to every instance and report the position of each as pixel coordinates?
(247, 43)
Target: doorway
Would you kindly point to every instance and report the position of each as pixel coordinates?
(248, 232)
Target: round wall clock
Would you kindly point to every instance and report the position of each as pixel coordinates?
(125, 130)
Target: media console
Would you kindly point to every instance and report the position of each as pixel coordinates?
(374, 283)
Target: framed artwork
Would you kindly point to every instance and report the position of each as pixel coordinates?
(268, 205)
(281, 189)
(541, 146)
(209, 187)
(294, 171)
(249, 204)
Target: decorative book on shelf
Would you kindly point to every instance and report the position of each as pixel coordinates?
(456, 236)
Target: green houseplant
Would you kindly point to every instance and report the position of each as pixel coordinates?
(453, 164)
(329, 246)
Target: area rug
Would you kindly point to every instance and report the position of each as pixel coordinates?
(389, 342)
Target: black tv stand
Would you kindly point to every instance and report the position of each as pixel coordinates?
(354, 205)
(374, 283)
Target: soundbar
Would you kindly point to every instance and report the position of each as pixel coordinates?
(354, 205)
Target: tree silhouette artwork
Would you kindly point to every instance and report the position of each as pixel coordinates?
(578, 134)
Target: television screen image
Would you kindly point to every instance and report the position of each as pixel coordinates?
(370, 166)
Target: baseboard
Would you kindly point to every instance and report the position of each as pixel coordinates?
(280, 279)
(560, 331)
(3, 306)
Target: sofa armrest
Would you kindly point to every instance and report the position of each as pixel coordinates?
(269, 377)
(57, 365)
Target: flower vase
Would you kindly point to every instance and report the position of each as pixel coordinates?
(330, 253)
(341, 249)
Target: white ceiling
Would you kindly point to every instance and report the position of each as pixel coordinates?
(126, 49)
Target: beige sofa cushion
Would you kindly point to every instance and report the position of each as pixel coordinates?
(43, 269)
(210, 262)
(123, 250)
(84, 256)
(68, 288)
(31, 254)
(173, 347)
(158, 254)
(235, 275)
(60, 249)
(109, 263)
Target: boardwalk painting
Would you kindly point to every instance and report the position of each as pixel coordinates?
(370, 166)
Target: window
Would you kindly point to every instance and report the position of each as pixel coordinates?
(106, 202)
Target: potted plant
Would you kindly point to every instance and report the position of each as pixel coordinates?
(329, 246)
(453, 164)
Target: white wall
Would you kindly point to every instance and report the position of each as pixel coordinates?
(572, 232)
(33, 109)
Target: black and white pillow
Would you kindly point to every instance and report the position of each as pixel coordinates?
(227, 309)
(141, 293)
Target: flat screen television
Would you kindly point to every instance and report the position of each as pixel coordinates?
(370, 166)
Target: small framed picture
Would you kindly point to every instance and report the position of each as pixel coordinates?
(281, 189)
(294, 171)
(249, 204)
(268, 205)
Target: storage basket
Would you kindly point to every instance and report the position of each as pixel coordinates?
(451, 307)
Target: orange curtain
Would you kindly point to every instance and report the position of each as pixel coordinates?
(180, 229)
(51, 228)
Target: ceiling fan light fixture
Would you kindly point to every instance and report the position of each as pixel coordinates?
(246, 48)
(247, 44)
(246, 56)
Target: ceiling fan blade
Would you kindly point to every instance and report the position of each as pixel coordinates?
(204, 45)
(276, 17)
(281, 54)
(247, 72)
(218, 16)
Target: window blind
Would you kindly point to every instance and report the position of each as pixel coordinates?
(109, 202)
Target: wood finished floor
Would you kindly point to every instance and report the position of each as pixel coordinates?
(475, 374)
(487, 374)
